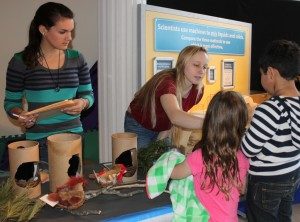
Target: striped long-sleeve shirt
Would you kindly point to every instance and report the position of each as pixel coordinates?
(38, 87)
(272, 141)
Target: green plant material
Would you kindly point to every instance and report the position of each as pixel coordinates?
(17, 207)
(147, 156)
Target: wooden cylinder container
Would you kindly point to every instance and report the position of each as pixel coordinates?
(23, 164)
(65, 158)
(124, 151)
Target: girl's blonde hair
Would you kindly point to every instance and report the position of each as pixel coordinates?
(223, 127)
(146, 95)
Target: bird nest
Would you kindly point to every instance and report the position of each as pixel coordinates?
(71, 195)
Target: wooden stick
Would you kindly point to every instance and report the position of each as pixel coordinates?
(58, 105)
(96, 176)
(134, 185)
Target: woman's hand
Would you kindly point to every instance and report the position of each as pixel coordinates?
(77, 108)
(24, 120)
(163, 134)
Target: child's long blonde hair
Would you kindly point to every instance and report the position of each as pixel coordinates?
(146, 95)
(223, 127)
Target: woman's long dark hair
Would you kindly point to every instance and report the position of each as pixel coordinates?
(223, 127)
(47, 14)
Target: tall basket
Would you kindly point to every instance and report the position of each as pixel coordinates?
(65, 158)
(23, 164)
(124, 150)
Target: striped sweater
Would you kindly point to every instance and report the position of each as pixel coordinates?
(272, 141)
(38, 85)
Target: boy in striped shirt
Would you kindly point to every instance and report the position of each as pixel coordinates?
(272, 141)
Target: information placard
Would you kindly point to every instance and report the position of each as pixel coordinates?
(161, 63)
(228, 72)
(211, 74)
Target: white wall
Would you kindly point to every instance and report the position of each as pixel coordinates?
(15, 18)
(117, 68)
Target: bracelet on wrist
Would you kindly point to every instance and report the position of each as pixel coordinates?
(85, 103)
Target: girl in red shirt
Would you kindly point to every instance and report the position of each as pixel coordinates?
(165, 99)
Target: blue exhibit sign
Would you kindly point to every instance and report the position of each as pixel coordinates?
(173, 36)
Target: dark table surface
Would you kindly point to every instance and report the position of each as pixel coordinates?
(110, 205)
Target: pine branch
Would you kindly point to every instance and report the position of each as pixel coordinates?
(147, 156)
(17, 207)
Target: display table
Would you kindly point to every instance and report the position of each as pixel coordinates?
(115, 208)
(110, 205)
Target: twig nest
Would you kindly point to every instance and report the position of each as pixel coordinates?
(71, 195)
(109, 177)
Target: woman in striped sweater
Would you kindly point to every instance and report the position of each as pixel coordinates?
(272, 141)
(45, 72)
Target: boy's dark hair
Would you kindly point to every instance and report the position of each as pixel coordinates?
(284, 56)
